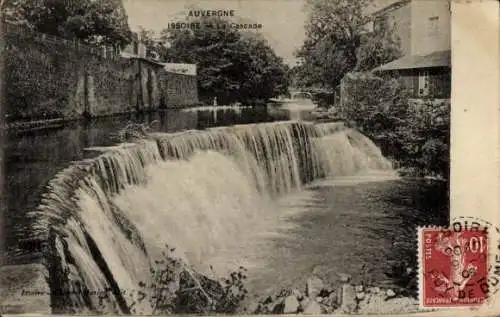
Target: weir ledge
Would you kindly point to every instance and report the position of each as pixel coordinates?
(24, 284)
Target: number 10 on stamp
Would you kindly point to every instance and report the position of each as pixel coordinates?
(453, 267)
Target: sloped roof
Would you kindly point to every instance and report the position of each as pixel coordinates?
(435, 59)
(180, 68)
(176, 68)
(135, 56)
(393, 6)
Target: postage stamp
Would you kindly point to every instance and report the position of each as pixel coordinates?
(453, 266)
(243, 157)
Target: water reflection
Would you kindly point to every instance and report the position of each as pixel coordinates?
(33, 158)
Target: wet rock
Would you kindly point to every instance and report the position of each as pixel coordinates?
(276, 307)
(348, 299)
(314, 286)
(303, 304)
(390, 293)
(331, 300)
(344, 278)
(359, 288)
(271, 306)
(360, 296)
(298, 294)
(313, 308)
(290, 305)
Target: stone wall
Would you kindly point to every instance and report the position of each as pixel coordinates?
(49, 78)
(109, 86)
(180, 90)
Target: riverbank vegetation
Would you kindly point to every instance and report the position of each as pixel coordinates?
(94, 22)
(415, 134)
(340, 48)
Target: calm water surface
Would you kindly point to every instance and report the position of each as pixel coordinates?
(33, 158)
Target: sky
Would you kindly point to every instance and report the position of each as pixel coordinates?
(282, 20)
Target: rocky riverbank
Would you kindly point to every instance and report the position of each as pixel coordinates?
(319, 298)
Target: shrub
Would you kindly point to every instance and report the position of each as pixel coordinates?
(414, 133)
(176, 288)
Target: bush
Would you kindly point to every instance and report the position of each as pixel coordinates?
(176, 288)
(413, 133)
(427, 137)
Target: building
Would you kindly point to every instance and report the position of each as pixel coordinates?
(162, 85)
(180, 84)
(424, 30)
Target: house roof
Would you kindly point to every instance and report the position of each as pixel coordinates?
(180, 68)
(394, 6)
(176, 68)
(135, 56)
(435, 59)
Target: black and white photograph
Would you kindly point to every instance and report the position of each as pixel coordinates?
(229, 157)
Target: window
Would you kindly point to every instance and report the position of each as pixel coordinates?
(433, 26)
(423, 83)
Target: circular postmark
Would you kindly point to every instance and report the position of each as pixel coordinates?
(490, 283)
(460, 263)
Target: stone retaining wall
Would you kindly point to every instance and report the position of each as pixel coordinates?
(56, 79)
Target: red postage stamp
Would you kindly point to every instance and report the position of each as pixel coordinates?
(453, 267)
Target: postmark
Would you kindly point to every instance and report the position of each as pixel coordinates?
(491, 284)
(454, 267)
(459, 264)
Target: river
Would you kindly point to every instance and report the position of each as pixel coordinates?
(32, 158)
(256, 209)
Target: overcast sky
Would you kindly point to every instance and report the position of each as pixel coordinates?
(282, 20)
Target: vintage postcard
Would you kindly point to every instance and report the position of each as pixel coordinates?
(249, 157)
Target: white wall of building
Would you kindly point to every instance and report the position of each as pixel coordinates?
(430, 24)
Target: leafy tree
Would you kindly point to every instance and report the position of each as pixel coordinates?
(93, 21)
(333, 35)
(154, 48)
(377, 48)
(338, 41)
(232, 65)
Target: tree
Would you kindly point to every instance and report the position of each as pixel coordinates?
(154, 48)
(338, 41)
(92, 21)
(232, 66)
(377, 48)
(333, 35)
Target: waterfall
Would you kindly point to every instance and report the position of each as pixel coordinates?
(107, 219)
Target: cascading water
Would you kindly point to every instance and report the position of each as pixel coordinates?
(107, 219)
